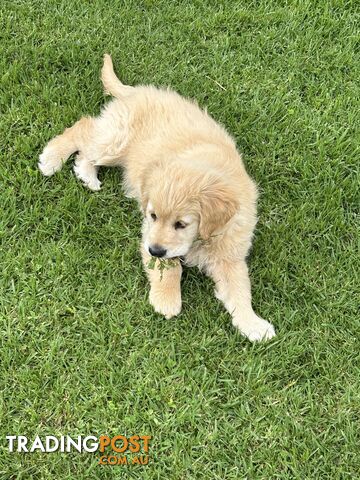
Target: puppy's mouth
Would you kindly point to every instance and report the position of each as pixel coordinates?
(176, 257)
(167, 257)
(180, 253)
(163, 254)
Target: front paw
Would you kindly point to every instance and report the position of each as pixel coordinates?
(166, 303)
(255, 328)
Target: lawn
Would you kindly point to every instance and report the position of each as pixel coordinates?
(82, 352)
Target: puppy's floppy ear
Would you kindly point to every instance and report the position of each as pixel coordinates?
(144, 196)
(218, 203)
(148, 180)
(144, 199)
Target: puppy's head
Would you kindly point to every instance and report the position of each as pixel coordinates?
(181, 204)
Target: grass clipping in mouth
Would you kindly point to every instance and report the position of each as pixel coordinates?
(163, 264)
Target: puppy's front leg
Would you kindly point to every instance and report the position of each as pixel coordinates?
(232, 287)
(165, 290)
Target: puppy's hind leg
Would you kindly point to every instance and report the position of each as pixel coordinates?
(86, 171)
(59, 149)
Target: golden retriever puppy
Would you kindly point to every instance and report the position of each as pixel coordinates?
(183, 168)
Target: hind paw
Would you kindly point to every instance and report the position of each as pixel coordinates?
(88, 175)
(49, 162)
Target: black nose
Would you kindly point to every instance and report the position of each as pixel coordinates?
(157, 251)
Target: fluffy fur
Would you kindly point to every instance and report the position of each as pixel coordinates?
(183, 168)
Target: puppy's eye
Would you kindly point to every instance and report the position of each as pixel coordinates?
(153, 216)
(178, 225)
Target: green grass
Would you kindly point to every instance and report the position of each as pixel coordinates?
(82, 352)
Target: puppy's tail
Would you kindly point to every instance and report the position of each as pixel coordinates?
(112, 85)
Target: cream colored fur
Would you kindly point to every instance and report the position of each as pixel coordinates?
(184, 170)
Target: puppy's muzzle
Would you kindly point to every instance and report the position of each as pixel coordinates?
(157, 251)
